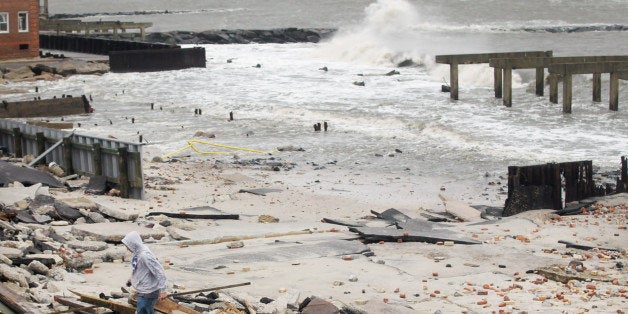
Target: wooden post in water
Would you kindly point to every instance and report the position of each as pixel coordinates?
(553, 88)
(508, 87)
(567, 93)
(597, 87)
(41, 145)
(123, 175)
(497, 78)
(67, 155)
(613, 103)
(540, 73)
(96, 153)
(453, 77)
(17, 142)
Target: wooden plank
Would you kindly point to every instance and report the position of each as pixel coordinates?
(15, 302)
(75, 305)
(120, 308)
(544, 62)
(588, 67)
(485, 57)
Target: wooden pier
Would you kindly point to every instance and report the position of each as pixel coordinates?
(617, 70)
(509, 64)
(563, 67)
(455, 60)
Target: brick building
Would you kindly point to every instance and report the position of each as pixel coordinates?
(19, 29)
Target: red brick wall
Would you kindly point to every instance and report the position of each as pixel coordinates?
(10, 42)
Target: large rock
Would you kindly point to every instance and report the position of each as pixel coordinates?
(10, 252)
(13, 274)
(79, 202)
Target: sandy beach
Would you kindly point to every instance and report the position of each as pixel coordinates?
(297, 255)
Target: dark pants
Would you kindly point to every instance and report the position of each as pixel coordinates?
(145, 305)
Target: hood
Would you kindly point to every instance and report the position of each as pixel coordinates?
(133, 241)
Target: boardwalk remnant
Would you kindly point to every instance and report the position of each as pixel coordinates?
(616, 69)
(455, 60)
(540, 63)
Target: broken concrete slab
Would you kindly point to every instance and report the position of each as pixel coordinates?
(374, 234)
(391, 215)
(344, 222)
(10, 173)
(318, 306)
(65, 212)
(97, 185)
(88, 245)
(113, 232)
(78, 202)
(10, 252)
(10, 195)
(460, 209)
(117, 214)
(236, 230)
(276, 251)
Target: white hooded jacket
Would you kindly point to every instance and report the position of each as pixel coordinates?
(148, 275)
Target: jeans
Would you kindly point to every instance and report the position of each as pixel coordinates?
(145, 305)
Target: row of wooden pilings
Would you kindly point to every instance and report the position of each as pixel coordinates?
(564, 67)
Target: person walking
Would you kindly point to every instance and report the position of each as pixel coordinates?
(148, 277)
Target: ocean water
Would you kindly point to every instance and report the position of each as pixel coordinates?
(400, 124)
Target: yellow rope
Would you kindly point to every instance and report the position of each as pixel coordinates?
(194, 148)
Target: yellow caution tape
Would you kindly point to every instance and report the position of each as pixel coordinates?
(191, 145)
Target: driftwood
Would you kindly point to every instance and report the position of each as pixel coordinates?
(120, 308)
(15, 302)
(196, 216)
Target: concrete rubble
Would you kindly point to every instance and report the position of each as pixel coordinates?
(51, 241)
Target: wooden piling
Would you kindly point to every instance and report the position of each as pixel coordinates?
(123, 175)
(567, 82)
(96, 156)
(613, 103)
(40, 138)
(67, 156)
(597, 87)
(507, 87)
(17, 142)
(453, 84)
(497, 82)
(553, 88)
(540, 77)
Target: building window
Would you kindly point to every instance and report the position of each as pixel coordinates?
(4, 22)
(22, 21)
(23, 46)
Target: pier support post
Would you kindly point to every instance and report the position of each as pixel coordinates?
(540, 73)
(597, 87)
(67, 155)
(553, 88)
(453, 76)
(508, 87)
(497, 75)
(614, 92)
(41, 145)
(123, 175)
(96, 153)
(17, 142)
(567, 93)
